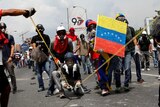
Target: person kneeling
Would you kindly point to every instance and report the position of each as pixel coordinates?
(70, 76)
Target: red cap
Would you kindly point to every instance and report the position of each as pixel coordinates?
(92, 22)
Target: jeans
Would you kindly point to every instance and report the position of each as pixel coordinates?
(145, 57)
(52, 68)
(40, 68)
(155, 57)
(86, 64)
(115, 65)
(127, 66)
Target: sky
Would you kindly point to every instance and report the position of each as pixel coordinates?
(51, 13)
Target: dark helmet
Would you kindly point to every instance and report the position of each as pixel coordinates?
(3, 25)
(87, 21)
(40, 27)
(82, 36)
(69, 55)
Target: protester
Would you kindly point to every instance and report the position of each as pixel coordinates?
(8, 55)
(70, 76)
(37, 42)
(84, 53)
(154, 53)
(91, 29)
(129, 53)
(75, 42)
(59, 47)
(145, 47)
(5, 87)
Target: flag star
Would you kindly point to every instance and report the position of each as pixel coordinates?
(112, 34)
(115, 35)
(108, 33)
(101, 34)
(105, 33)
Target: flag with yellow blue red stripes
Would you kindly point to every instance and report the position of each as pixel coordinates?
(110, 36)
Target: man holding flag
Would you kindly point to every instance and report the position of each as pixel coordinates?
(110, 39)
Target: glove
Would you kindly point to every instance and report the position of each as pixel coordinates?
(29, 12)
(78, 84)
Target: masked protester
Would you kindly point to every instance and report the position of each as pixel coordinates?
(4, 84)
(91, 30)
(129, 54)
(145, 47)
(76, 43)
(59, 47)
(37, 42)
(84, 53)
(8, 56)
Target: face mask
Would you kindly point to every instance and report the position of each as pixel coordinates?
(70, 63)
(121, 19)
(3, 30)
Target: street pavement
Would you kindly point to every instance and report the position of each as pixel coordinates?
(140, 95)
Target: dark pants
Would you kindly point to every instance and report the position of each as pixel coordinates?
(10, 68)
(4, 88)
(5, 96)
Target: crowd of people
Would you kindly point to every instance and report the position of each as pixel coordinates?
(63, 57)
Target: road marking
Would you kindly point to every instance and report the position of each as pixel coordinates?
(152, 75)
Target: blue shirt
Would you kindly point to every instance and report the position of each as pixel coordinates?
(7, 48)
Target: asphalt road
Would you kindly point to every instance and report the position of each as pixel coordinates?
(140, 95)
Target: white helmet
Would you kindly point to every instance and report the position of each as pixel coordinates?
(144, 32)
(59, 28)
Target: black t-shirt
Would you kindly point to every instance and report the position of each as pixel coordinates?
(144, 44)
(38, 40)
(129, 36)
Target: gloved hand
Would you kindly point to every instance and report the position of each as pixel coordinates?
(78, 84)
(29, 12)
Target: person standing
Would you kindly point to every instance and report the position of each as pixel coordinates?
(37, 42)
(8, 54)
(75, 42)
(145, 47)
(4, 84)
(129, 53)
(154, 53)
(84, 53)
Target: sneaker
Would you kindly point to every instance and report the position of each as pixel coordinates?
(41, 89)
(14, 90)
(118, 90)
(148, 69)
(104, 92)
(142, 69)
(49, 93)
(140, 81)
(62, 96)
(56, 91)
(126, 89)
(156, 66)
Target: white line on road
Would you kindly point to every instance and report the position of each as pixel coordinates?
(152, 75)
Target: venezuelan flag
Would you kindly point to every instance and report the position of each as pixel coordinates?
(110, 36)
